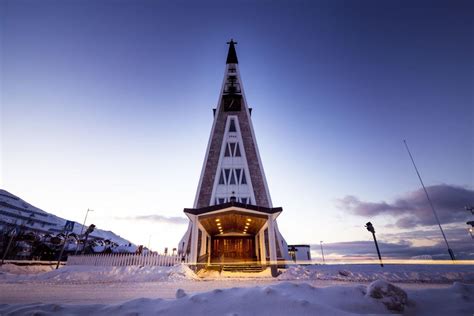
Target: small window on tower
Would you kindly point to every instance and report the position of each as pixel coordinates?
(221, 200)
(237, 174)
(227, 174)
(237, 150)
(232, 178)
(232, 126)
(221, 178)
(244, 200)
(227, 151)
(232, 148)
(244, 180)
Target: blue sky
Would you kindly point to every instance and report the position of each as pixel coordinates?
(108, 105)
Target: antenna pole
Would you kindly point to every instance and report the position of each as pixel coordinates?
(451, 253)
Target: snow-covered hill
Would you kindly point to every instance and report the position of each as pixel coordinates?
(15, 211)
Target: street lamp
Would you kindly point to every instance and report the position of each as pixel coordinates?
(82, 228)
(471, 229)
(89, 230)
(322, 252)
(371, 229)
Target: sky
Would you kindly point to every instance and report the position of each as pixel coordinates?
(108, 105)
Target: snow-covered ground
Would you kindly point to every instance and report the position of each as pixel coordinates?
(432, 273)
(91, 274)
(284, 298)
(301, 290)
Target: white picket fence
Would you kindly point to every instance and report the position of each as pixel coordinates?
(126, 260)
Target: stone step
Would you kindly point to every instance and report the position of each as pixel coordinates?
(243, 268)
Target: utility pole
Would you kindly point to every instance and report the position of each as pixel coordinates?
(66, 240)
(322, 252)
(13, 232)
(450, 251)
(371, 229)
(82, 228)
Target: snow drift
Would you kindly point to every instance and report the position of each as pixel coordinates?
(392, 273)
(92, 274)
(281, 299)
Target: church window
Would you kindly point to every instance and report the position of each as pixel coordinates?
(237, 174)
(237, 150)
(221, 200)
(227, 174)
(244, 180)
(232, 148)
(232, 178)
(227, 151)
(221, 178)
(232, 126)
(243, 200)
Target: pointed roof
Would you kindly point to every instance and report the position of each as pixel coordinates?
(232, 116)
(232, 55)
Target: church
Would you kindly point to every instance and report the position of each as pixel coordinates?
(233, 220)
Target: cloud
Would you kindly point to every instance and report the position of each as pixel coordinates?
(412, 209)
(157, 219)
(460, 242)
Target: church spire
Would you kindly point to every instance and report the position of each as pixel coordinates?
(232, 55)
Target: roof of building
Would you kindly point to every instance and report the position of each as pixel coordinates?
(212, 208)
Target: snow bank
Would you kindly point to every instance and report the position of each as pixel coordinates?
(9, 268)
(93, 274)
(391, 273)
(281, 299)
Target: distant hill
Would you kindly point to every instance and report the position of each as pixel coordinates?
(14, 210)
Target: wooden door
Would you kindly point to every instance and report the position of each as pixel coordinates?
(228, 249)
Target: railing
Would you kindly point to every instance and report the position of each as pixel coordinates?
(126, 260)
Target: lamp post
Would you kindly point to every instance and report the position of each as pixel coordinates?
(322, 252)
(371, 229)
(471, 229)
(89, 230)
(82, 228)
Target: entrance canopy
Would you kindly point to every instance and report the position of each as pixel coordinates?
(233, 232)
(233, 218)
(233, 222)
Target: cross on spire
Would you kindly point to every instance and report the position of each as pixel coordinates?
(232, 55)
